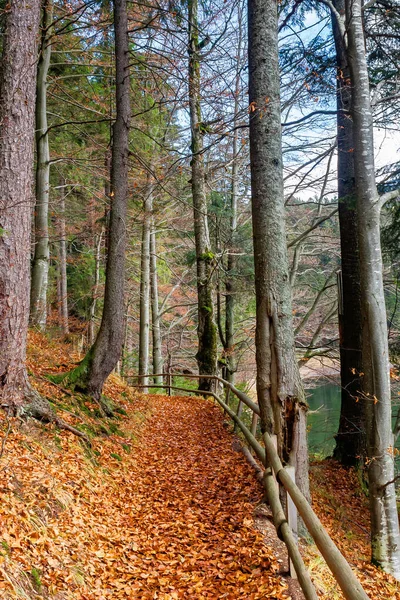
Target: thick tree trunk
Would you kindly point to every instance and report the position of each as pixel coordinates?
(350, 440)
(385, 538)
(279, 390)
(206, 329)
(40, 266)
(144, 323)
(155, 317)
(17, 112)
(63, 301)
(103, 356)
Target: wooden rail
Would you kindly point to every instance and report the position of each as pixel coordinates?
(276, 472)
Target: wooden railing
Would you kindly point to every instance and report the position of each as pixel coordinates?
(275, 473)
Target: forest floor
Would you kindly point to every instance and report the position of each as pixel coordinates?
(161, 506)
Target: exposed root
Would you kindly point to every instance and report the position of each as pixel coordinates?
(61, 424)
(37, 407)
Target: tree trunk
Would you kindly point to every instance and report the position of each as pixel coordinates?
(40, 266)
(206, 329)
(229, 350)
(90, 375)
(144, 323)
(95, 288)
(350, 439)
(17, 112)
(63, 306)
(155, 317)
(385, 538)
(280, 394)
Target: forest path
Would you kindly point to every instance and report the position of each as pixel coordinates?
(190, 514)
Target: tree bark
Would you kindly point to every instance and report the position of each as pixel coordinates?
(40, 266)
(229, 350)
(385, 538)
(144, 323)
(280, 394)
(155, 316)
(350, 439)
(90, 375)
(17, 112)
(63, 306)
(206, 329)
(95, 288)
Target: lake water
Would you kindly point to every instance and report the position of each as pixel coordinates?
(323, 419)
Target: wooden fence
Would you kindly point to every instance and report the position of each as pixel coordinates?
(276, 474)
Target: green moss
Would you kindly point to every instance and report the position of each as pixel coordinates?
(6, 548)
(114, 429)
(116, 456)
(89, 430)
(77, 378)
(208, 255)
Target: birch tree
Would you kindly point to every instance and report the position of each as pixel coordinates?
(385, 538)
(144, 324)
(40, 267)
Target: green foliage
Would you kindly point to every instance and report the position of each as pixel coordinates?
(36, 578)
(81, 275)
(116, 456)
(190, 384)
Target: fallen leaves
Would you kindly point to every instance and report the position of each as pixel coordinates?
(343, 510)
(160, 510)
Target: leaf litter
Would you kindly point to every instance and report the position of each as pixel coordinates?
(160, 509)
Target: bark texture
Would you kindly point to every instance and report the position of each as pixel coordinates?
(17, 118)
(103, 356)
(144, 323)
(40, 266)
(279, 390)
(62, 266)
(206, 329)
(385, 538)
(350, 439)
(155, 316)
(229, 342)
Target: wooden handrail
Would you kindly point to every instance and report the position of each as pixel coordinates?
(281, 525)
(340, 568)
(335, 560)
(238, 393)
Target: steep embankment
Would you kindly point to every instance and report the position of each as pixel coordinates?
(159, 507)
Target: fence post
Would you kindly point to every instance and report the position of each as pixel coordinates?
(254, 422)
(238, 413)
(227, 395)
